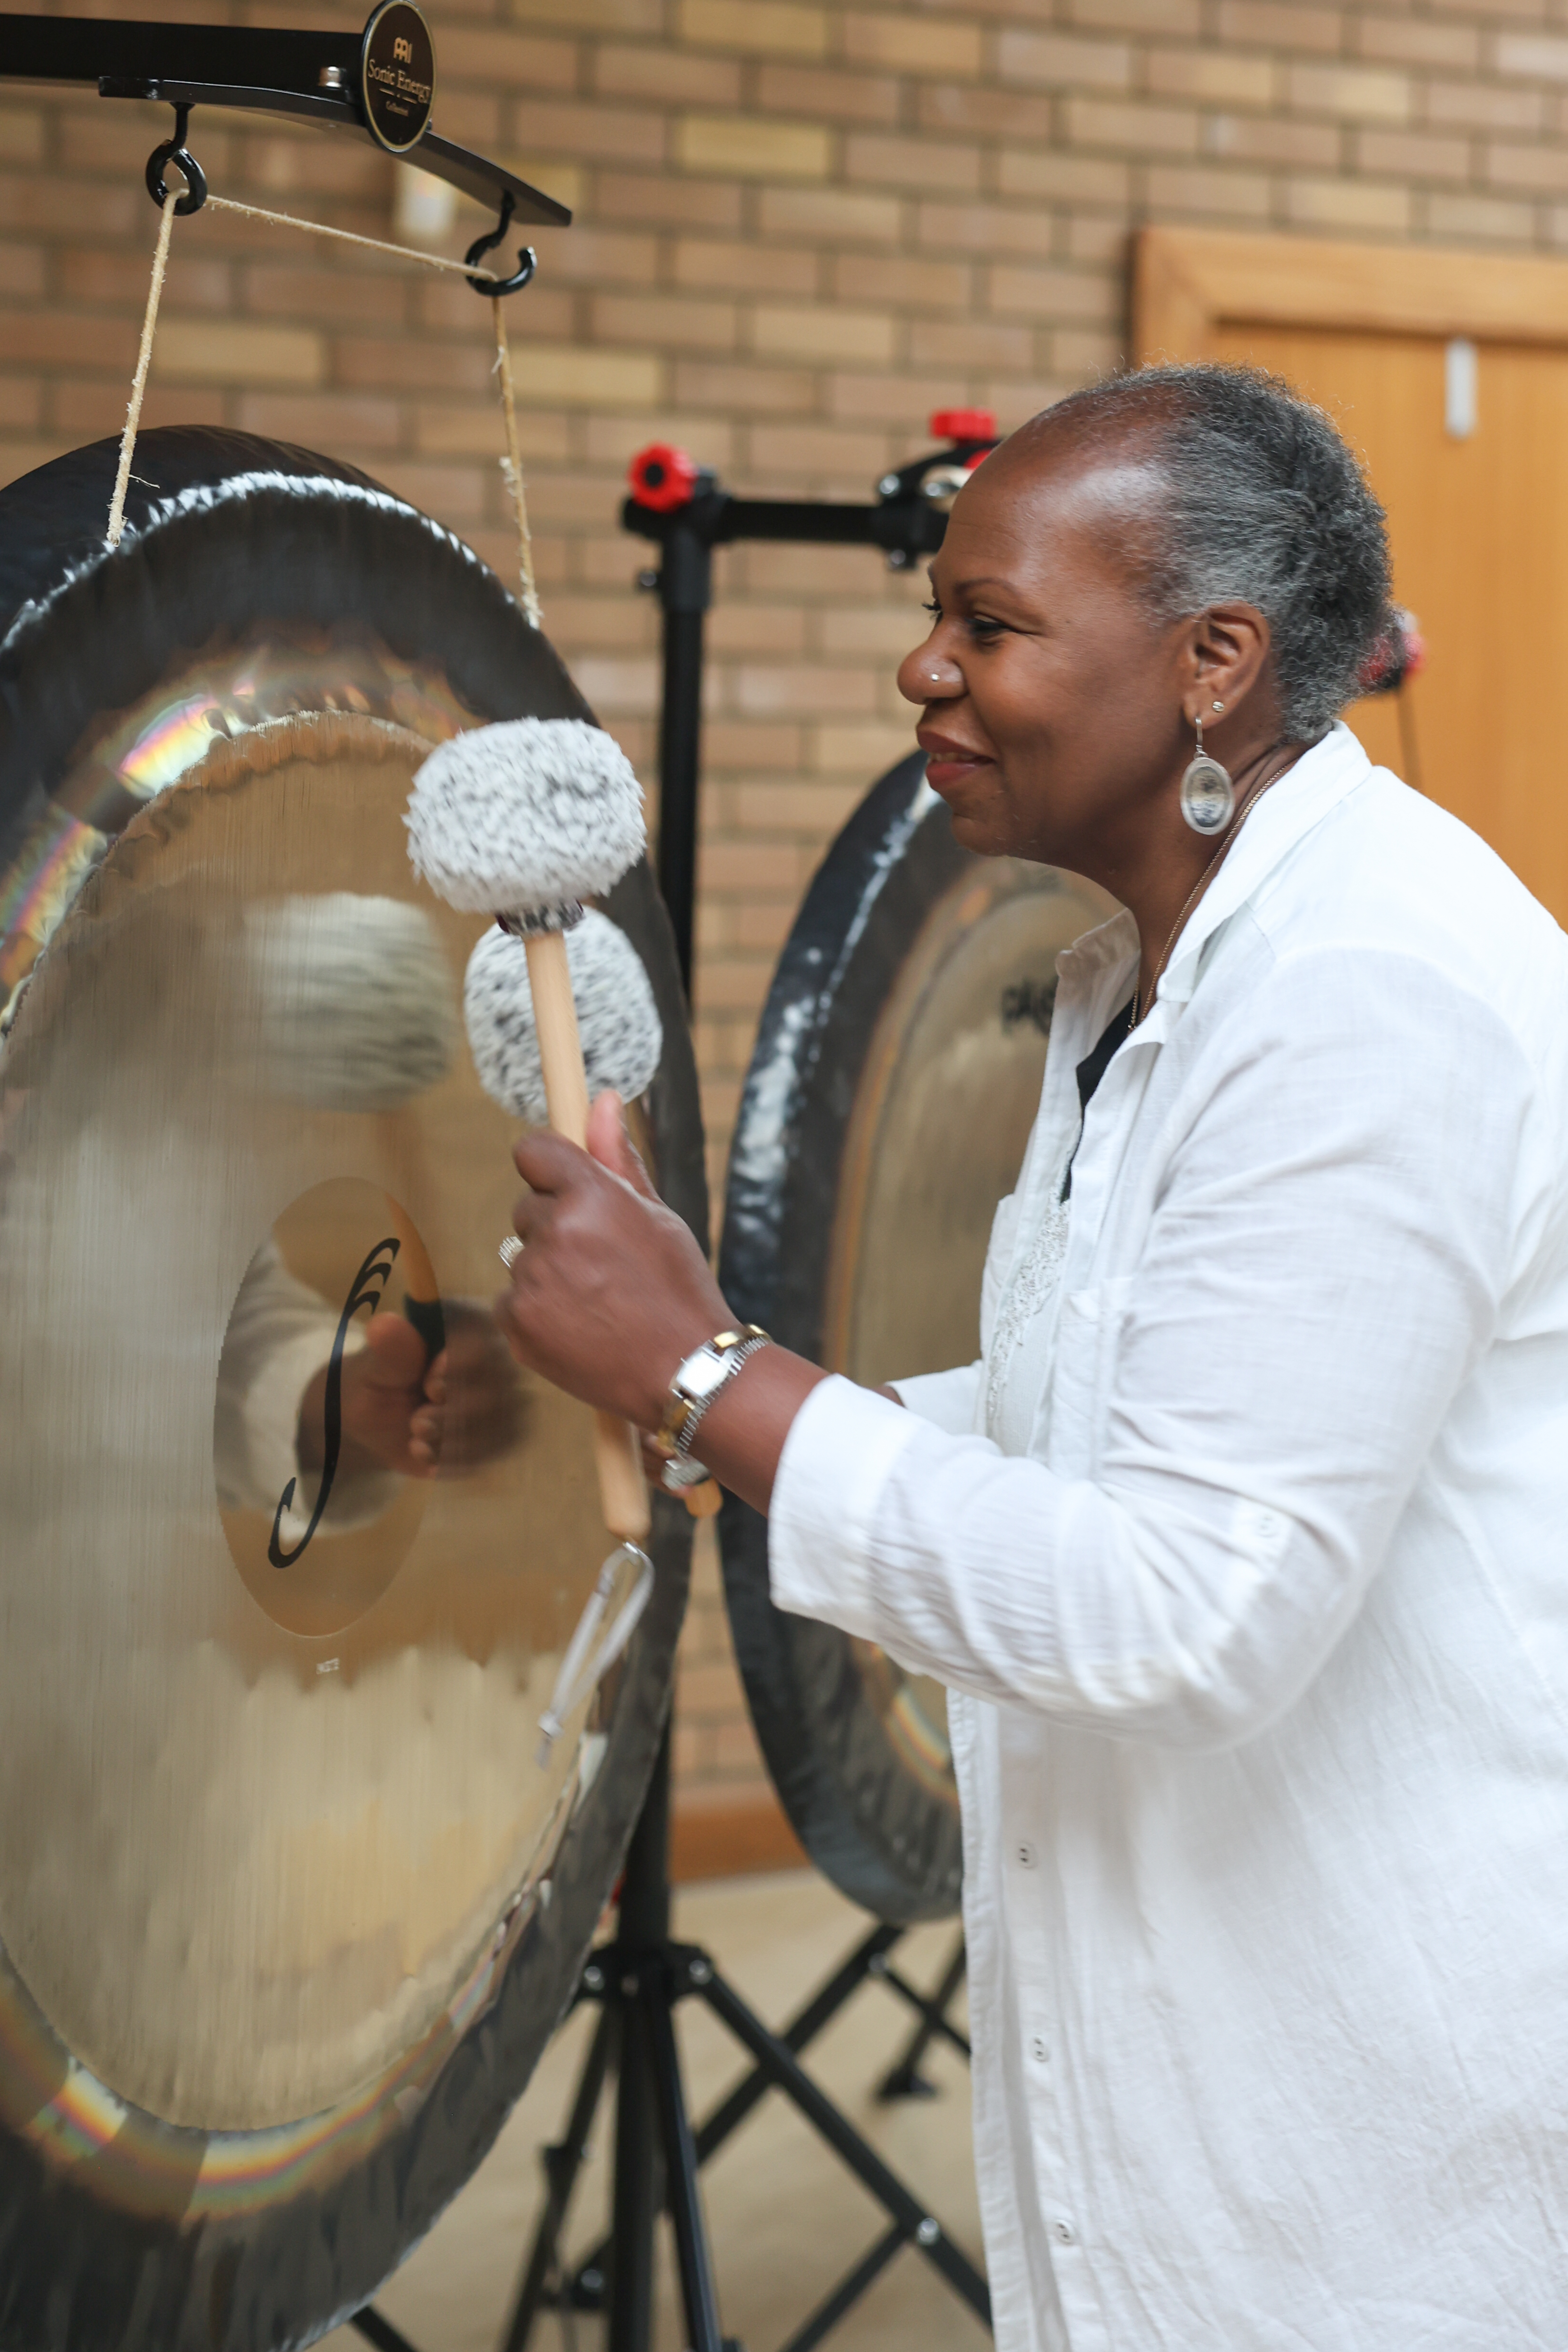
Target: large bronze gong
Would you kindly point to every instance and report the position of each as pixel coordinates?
(895, 1079)
(290, 1897)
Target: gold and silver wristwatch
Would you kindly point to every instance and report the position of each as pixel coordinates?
(695, 1383)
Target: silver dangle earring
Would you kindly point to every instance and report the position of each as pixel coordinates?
(1208, 799)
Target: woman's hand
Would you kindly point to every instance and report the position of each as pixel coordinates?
(610, 1292)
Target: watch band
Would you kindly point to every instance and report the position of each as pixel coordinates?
(699, 1380)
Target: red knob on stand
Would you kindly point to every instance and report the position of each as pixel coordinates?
(963, 424)
(662, 478)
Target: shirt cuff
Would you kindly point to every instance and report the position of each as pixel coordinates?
(946, 1399)
(841, 1447)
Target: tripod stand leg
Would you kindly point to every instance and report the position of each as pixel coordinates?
(904, 2080)
(561, 2164)
(637, 2196)
(680, 2179)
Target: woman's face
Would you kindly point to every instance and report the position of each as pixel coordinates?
(1055, 706)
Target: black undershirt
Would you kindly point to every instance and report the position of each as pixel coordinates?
(1090, 1071)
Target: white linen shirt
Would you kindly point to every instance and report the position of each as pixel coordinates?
(1258, 1656)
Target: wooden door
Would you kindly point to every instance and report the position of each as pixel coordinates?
(1477, 520)
(1479, 527)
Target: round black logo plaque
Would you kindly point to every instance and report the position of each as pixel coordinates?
(397, 74)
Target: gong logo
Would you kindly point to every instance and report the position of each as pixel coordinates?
(365, 1290)
(403, 52)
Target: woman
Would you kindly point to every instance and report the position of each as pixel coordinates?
(1240, 1546)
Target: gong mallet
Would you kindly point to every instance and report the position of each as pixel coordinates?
(523, 820)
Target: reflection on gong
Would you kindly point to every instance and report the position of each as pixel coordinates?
(896, 1076)
(289, 1902)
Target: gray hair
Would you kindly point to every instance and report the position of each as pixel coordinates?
(1265, 505)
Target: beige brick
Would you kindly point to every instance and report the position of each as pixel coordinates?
(912, 285)
(1489, 219)
(778, 28)
(489, 55)
(580, 256)
(986, 229)
(654, 74)
(1412, 155)
(951, 107)
(211, 351)
(614, 441)
(821, 92)
(796, 332)
(470, 431)
(597, 379)
(841, 693)
(1257, 138)
(1485, 106)
(1410, 40)
(906, 400)
(278, 291)
(1054, 294)
(1186, 190)
(774, 629)
(1350, 93)
(567, 183)
(1278, 25)
(419, 362)
(734, 267)
(855, 457)
(1076, 355)
(864, 750)
(24, 457)
(615, 684)
(916, 163)
(686, 203)
(1511, 164)
(732, 742)
(1063, 61)
(1221, 76)
(21, 404)
(659, 318)
(748, 391)
(332, 420)
(1346, 204)
(22, 134)
(960, 345)
(1062, 178)
(1145, 129)
(813, 809)
(829, 215)
(591, 15)
(617, 134)
(1534, 56)
(913, 44)
(21, 269)
(1164, 17)
(743, 148)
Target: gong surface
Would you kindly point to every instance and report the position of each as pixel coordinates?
(895, 1080)
(288, 1903)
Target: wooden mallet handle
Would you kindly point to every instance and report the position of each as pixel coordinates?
(623, 1490)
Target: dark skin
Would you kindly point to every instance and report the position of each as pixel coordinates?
(1058, 718)
(423, 1419)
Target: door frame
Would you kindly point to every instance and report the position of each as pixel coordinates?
(1188, 283)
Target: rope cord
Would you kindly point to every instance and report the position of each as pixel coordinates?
(138, 381)
(512, 464)
(345, 237)
(511, 467)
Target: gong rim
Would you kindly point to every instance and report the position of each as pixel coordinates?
(899, 924)
(119, 2229)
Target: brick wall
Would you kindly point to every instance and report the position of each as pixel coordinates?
(799, 228)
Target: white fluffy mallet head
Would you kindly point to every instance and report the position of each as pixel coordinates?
(617, 1019)
(352, 998)
(526, 818)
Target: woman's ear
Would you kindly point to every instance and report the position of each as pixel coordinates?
(1227, 652)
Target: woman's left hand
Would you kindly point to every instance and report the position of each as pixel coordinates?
(610, 1292)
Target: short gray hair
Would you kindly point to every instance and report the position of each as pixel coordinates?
(1266, 505)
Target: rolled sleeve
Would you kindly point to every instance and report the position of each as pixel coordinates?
(947, 1400)
(828, 1503)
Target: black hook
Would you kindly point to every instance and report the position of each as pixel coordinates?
(175, 151)
(528, 261)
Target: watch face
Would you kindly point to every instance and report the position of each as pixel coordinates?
(700, 1375)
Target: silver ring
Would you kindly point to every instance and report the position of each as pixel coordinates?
(511, 1250)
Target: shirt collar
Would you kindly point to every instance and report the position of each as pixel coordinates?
(1281, 817)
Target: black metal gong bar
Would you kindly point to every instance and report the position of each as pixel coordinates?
(683, 509)
(378, 85)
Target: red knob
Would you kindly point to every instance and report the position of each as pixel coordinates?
(662, 478)
(963, 424)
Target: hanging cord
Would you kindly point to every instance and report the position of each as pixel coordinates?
(512, 464)
(138, 381)
(511, 467)
(345, 237)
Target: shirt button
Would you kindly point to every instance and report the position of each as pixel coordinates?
(1027, 1857)
(1064, 2234)
(1039, 2050)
